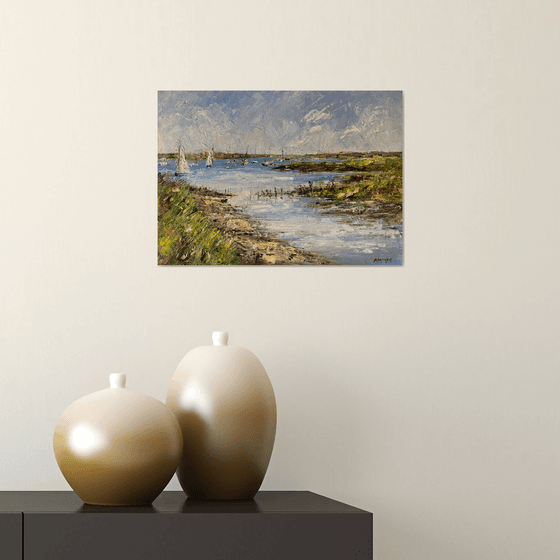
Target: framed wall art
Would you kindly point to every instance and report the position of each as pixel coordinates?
(280, 178)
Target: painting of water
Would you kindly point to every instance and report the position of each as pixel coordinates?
(280, 178)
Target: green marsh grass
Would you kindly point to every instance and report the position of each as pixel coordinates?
(184, 235)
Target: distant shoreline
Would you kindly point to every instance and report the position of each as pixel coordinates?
(197, 156)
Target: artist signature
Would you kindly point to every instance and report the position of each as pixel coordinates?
(384, 261)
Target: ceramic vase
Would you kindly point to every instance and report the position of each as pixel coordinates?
(118, 447)
(225, 405)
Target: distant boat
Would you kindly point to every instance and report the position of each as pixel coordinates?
(163, 162)
(182, 163)
(210, 159)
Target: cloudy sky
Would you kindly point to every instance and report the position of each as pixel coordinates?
(271, 121)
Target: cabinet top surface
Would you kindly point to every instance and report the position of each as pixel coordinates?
(177, 502)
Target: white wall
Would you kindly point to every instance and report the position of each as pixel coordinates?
(427, 394)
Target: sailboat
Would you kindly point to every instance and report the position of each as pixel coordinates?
(182, 163)
(210, 158)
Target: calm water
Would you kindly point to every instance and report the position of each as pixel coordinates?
(347, 240)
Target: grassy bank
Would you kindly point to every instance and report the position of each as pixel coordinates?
(374, 164)
(184, 235)
(368, 179)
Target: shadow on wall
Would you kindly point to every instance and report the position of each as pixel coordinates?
(394, 542)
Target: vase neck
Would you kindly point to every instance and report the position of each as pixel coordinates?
(220, 338)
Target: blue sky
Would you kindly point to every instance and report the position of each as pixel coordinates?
(271, 121)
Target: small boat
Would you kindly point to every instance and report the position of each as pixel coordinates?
(210, 158)
(162, 162)
(182, 163)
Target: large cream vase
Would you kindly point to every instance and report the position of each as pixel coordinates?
(225, 405)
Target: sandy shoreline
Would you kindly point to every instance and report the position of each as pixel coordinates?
(253, 245)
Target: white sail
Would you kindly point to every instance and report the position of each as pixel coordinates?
(210, 159)
(182, 163)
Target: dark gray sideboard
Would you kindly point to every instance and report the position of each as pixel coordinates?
(274, 526)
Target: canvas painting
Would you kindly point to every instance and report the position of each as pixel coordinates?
(280, 178)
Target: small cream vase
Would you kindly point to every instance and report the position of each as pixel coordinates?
(117, 447)
(225, 405)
